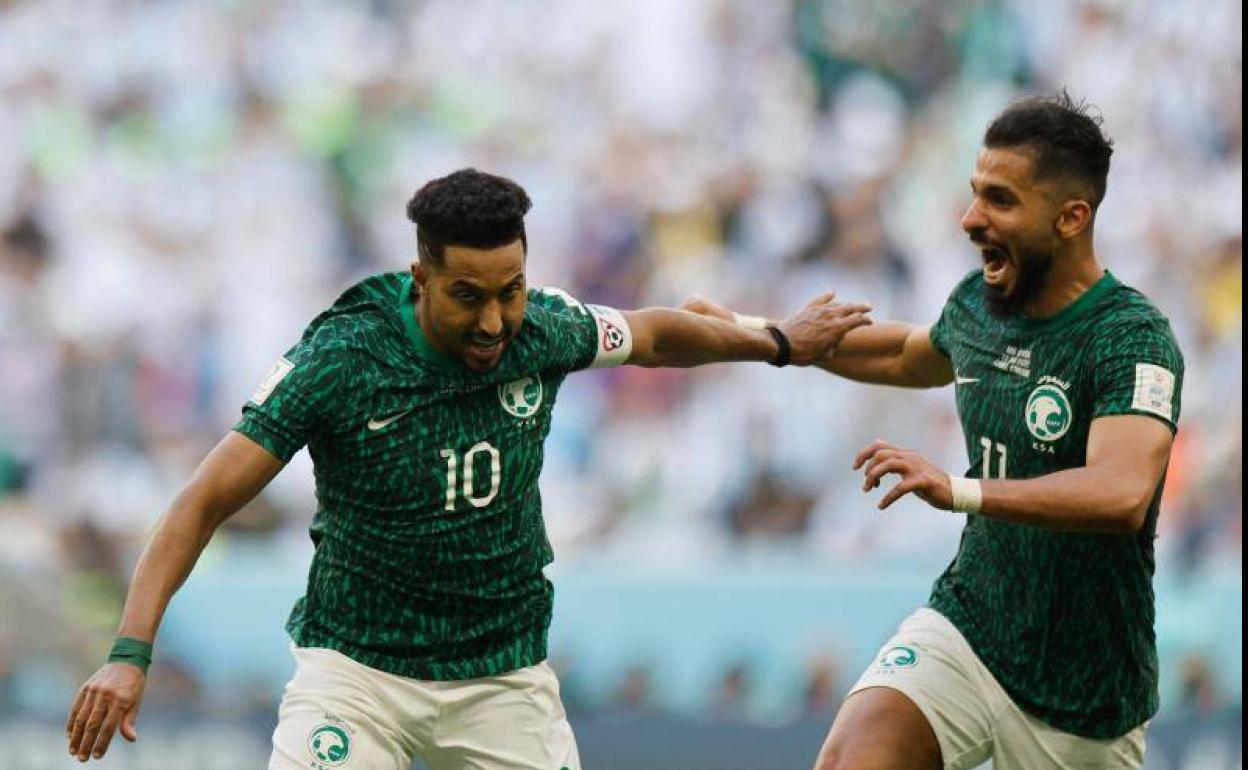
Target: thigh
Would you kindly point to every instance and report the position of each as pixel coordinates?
(332, 717)
(511, 722)
(939, 693)
(879, 728)
(1026, 743)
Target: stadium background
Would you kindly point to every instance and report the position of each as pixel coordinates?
(184, 184)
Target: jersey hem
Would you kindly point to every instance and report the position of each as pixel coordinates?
(521, 654)
(1102, 730)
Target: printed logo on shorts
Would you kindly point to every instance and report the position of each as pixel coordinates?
(1048, 412)
(330, 745)
(899, 656)
(521, 398)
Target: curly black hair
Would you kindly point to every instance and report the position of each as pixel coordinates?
(1065, 140)
(467, 208)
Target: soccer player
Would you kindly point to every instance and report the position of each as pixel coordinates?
(1036, 647)
(424, 398)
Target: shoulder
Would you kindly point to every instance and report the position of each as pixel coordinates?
(360, 316)
(546, 301)
(553, 309)
(967, 294)
(1127, 319)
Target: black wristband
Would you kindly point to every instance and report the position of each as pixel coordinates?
(784, 349)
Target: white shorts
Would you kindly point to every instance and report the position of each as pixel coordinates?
(930, 662)
(337, 714)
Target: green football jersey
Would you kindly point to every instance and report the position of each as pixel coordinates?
(428, 532)
(1063, 620)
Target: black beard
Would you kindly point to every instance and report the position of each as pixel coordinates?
(1033, 271)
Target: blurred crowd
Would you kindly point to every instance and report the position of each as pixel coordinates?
(185, 184)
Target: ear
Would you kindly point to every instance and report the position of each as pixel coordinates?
(420, 275)
(1073, 219)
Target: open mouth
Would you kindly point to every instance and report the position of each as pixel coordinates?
(996, 264)
(486, 350)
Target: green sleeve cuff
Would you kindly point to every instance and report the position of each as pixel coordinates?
(272, 439)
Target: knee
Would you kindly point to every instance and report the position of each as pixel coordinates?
(833, 756)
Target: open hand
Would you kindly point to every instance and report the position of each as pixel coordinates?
(108, 700)
(817, 329)
(918, 475)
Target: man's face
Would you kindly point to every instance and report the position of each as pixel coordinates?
(475, 302)
(1012, 220)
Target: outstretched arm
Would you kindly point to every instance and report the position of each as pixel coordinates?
(1126, 460)
(679, 338)
(888, 353)
(230, 476)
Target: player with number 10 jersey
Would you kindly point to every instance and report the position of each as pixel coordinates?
(429, 536)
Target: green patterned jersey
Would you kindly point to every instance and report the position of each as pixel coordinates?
(1063, 620)
(428, 532)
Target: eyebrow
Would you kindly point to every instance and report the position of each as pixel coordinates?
(465, 283)
(994, 187)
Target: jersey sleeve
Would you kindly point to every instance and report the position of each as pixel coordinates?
(581, 336)
(295, 397)
(1138, 369)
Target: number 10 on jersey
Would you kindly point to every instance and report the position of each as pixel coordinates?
(469, 488)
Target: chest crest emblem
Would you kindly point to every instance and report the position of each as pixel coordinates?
(521, 398)
(1048, 412)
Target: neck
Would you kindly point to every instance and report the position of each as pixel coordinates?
(1071, 275)
(424, 321)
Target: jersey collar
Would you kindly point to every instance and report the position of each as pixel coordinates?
(1082, 304)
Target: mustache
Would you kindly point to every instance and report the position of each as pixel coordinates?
(482, 339)
(980, 239)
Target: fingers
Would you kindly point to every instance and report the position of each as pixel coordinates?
(79, 699)
(850, 308)
(822, 299)
(853, 321)
(91, 725)
(111, 722)
(83, 706)
(903, 487)
(128, 730)
(869, 452)
(877, 471)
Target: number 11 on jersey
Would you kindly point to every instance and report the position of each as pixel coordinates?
(987, 444)
(469, 490)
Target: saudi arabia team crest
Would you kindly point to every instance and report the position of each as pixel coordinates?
(330, 744)
(521, 398)
(1048, 412)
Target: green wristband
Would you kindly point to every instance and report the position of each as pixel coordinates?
(134, 651)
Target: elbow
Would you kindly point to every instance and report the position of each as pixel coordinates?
(1129, 517)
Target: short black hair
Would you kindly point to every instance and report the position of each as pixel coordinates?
(467, 208)
(1064, 138)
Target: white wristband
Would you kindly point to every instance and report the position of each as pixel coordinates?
(750, 321)
(968, 494)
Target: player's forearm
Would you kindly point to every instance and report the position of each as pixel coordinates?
(231, 475)
(679, 339)
(1089, 499)
(886, 354)
(167, 559)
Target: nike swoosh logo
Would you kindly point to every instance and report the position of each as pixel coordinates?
(960, 380)
(379, 424)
